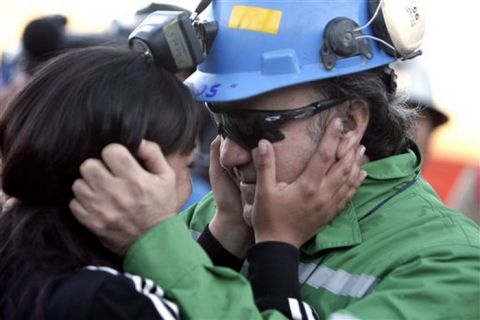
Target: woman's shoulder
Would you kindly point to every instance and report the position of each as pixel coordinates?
(98, 292)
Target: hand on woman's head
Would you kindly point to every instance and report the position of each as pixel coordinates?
(118, 200)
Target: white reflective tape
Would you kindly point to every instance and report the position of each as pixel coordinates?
(308, 311)
(102, 268)
(336, 281)
(295, 309)
(195, 234)
(341, 316)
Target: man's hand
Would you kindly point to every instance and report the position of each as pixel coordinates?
(118, 200)
(295, 212)
(227, 225)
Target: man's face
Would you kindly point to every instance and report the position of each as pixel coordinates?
(291, 154)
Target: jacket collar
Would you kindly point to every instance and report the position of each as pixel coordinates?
(384, 176)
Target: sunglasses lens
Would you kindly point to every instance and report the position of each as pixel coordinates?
(247, 128)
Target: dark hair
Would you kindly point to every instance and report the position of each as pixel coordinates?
(390, 118)
(72, 108)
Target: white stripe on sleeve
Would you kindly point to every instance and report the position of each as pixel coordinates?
(295, 309)
(165, 308)
(309, 311)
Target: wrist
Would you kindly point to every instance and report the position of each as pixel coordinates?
(235, 236)
(261, 237)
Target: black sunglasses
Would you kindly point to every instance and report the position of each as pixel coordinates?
(247, 127)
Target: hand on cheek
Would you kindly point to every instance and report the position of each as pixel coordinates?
(294, 212)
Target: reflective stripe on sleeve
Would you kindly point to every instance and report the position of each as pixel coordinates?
(195, 234)
(336, 281)
(342, 316)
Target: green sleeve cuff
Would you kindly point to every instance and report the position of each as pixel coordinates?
(165, 253)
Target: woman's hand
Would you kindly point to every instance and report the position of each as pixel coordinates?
(295, 212)
(227, 226)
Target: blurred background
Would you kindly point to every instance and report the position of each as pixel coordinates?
(449, 61)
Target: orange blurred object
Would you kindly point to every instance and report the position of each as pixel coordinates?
(457, 184)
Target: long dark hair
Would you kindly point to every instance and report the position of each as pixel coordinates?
(74, 106)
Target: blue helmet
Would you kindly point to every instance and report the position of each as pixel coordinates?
(265, 45)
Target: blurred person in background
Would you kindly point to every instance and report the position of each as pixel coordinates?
(465, 194)
(43, 38)
(413, 80)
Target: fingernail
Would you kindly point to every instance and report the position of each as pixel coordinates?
(363, 174)
(338, 124)
(262, 148)
(361, 150)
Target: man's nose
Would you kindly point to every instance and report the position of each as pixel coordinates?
(233, 155)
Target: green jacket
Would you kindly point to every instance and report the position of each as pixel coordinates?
(395, 252)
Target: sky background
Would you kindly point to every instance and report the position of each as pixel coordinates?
(450, 56)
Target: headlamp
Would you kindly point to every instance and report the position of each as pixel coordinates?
(173, 39)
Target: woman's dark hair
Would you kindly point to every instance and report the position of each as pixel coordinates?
(390, 118)
(73, 107)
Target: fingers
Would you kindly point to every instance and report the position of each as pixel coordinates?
(214, 158)
(99, 228)
(82, 191)
(351, 181)
(339, 172)
(9, 203)
(357, 175)
(357, 179)
(351, 160)
(215, 150)
(95, 174)
(325, 154)
(348, 142)
(264, 159)
(348, 190)
(80, 213)
(85, 206)
(121, 162)
(344, 171)
(152, 156)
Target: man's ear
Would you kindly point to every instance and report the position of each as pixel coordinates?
(356, 117)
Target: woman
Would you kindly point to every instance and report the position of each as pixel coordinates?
(75, 106)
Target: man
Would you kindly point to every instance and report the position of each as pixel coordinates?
(461, 194)
(277, 74)
(414, 81)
